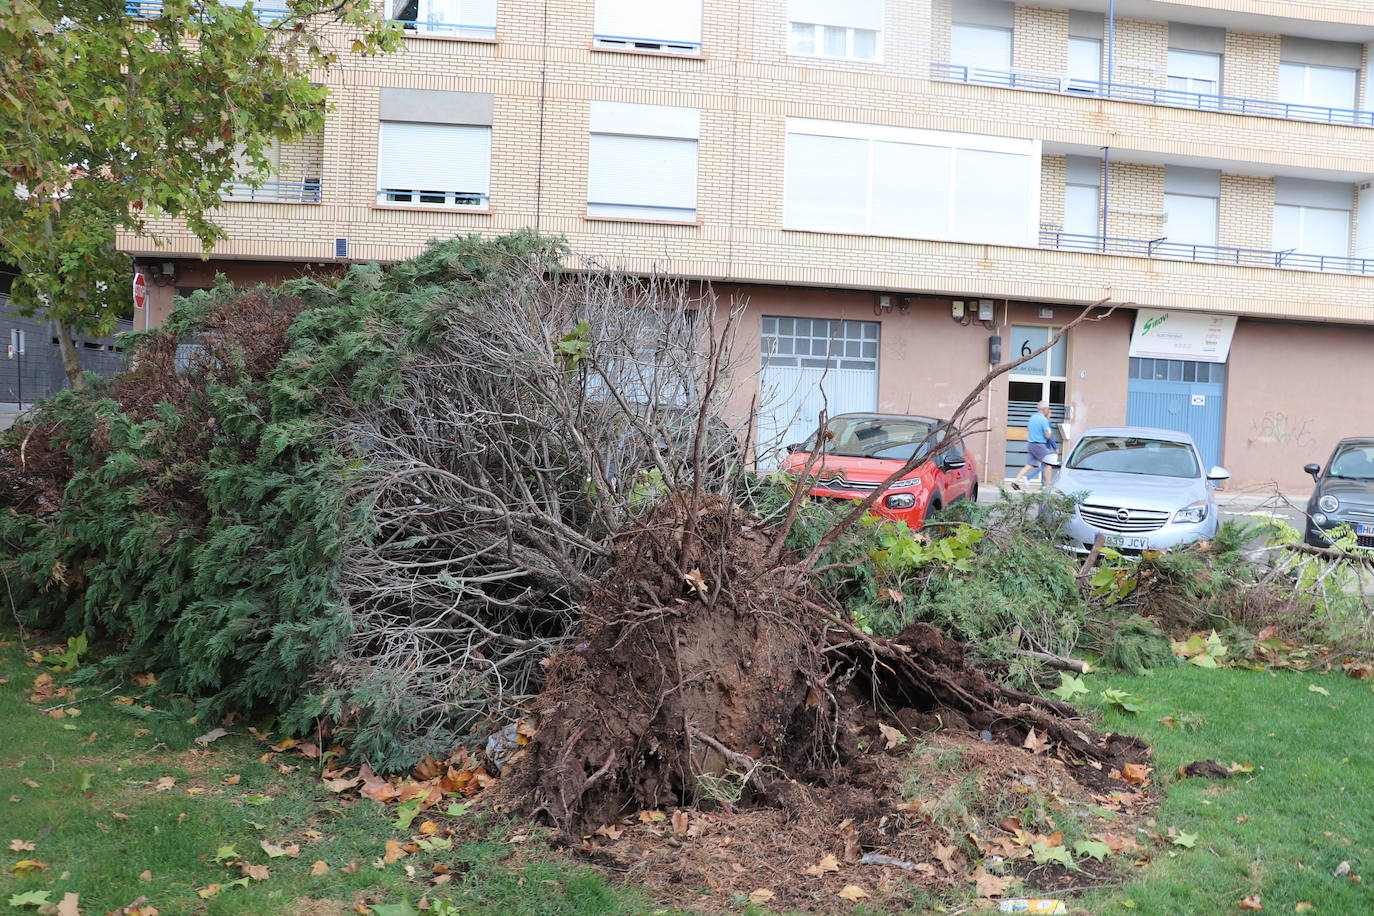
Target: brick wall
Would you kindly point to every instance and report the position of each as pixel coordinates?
(1040, 40)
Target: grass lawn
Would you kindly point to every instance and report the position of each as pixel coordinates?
(85, 792)
(1279, 832)
(120, 803)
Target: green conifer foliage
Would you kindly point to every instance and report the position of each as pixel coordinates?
(196, 514)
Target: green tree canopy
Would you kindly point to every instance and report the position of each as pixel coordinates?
(113, 113)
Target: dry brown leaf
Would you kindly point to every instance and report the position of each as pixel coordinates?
(429, 828)
(681, 822)
(760, 896)
(292, 850)
(609, 831)
(442, 879)
(69, 905)
(272, 849)
(165, 783)
(30, 783)
(945, 855)
(852, 893)
(852, 849)
(892, 736)
(427, 769)
(649, 817)
(987, 884)
(319, 868)
(21, 846)
(827, 863)
(1136, 773)
(256, 872)
(145, 875)
(1036, 743)
(1252, 902)
(232, 780)
(697, 583)
(352, 868)
(394, 851)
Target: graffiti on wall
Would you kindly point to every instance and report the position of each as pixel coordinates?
(1276, 428)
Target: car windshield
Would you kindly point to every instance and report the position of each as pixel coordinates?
(1135, 455)
(894, 438)
(1353, 462)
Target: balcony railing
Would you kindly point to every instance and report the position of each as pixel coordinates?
(1212, 254)
(447, 29)
(149, 9)
(290, 192)
(1172, 98)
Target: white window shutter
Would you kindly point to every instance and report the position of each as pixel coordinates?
(650, 20)
(649, 177)
(854, 14)
(435, 157)
(826, 184)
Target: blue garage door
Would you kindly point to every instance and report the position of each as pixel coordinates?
(1181, 395)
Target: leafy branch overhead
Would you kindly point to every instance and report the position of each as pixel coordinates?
(108, 120)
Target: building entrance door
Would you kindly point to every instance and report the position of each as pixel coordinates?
(1044, 378)
(1180, 395)
(810, 365)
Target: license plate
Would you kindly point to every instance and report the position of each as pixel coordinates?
(1117, 540)
(1364, 530)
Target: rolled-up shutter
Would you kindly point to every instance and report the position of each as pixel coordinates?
(435, 157)
(660, 20)
(639, 174)
(856, 14)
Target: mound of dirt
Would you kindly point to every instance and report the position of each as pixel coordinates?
(711, 671)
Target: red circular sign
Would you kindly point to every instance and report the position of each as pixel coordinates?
(140, 291)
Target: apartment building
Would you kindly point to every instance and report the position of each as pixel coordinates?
(902, 191)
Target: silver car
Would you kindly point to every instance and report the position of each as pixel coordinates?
(1143, 489)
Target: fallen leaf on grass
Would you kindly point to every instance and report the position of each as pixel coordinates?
(649, 817)
(69, 905)
(1091, 849)
(352, 868)
(1303, 907)
(1251, 902)
(1315, 689)
(609, 831)
(145, 876)
(165, 783)
(945, 855)
(1036, 743)
(225, 853)
(343, 783)
(232, 780)
(213, 734)
(20, 846)
(1341, 870)
(256, 872)
(319, 868)
(1137, 774)
(827, 863)
(394, 851)
(852, 893)
(429, 828)
(1186, 840)
(987, 884)
(205, 893)
(29, 898)
(760, 896)
(24, 866)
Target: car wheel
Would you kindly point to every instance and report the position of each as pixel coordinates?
(973, 494)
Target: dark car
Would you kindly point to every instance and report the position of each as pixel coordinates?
(1344, 494)
(858, 451)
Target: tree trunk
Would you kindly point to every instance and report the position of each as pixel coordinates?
(75, 376)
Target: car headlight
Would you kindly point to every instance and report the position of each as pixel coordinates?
(1318, 518)
(900, 501)
(1193, 513)
(913, 482)
(1328, 503)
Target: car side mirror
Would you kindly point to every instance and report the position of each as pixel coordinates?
(952, 462)
(794, 447)
(1052, 459)
(1314, 469)
(1218, 473)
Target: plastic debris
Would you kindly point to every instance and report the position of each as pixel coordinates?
(1031, 905)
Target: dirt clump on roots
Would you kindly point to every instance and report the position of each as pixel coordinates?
(715, 692)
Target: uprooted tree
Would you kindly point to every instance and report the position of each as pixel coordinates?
(408, 506)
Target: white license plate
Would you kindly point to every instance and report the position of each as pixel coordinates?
(1364, 530)
(1117, 540)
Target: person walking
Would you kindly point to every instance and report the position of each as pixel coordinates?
(1039, 443)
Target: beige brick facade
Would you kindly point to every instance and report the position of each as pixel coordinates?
(746, 85)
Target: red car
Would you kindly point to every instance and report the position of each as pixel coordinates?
(858, 451)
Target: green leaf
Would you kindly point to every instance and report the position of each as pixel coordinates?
(1186, 840)
(1044, 854)
(394, 909)
(224, 853)
(30, 898)
(1092, 849)
(458, 809)
(405, 813)
(1069, 687)
(1322, 690)
(1128, 703)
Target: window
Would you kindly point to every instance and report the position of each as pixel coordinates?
(1191, 199)
(1194, 71)
(643, 162)
(1309, 84)
(672, 26)
(1082, 196)
(458, 18)
(434, 148)
(822, 29)
(1312, 217)
(980, 47)
(819, 343)
(869, 180)
(1085, 60)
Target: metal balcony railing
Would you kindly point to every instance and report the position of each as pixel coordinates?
(447, 29)
(1172, 98)
(1211, 254)
(149, 9)
(290, 192)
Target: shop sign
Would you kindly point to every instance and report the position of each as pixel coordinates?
(1171, 334)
